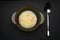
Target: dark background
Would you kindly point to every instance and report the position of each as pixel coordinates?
(9, 31)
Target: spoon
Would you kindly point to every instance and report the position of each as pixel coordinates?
(47, 10)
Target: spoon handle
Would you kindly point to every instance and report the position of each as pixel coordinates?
(48, 32)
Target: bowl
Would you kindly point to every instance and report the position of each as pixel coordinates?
(38, 13)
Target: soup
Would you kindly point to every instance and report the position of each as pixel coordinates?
(27, 19)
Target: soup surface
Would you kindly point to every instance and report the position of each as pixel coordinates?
(27, 19)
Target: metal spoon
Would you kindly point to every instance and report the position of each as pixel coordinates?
(47, 10)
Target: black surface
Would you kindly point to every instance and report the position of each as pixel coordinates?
(9, 31)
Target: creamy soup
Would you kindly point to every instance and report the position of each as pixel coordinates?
(27, 19)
